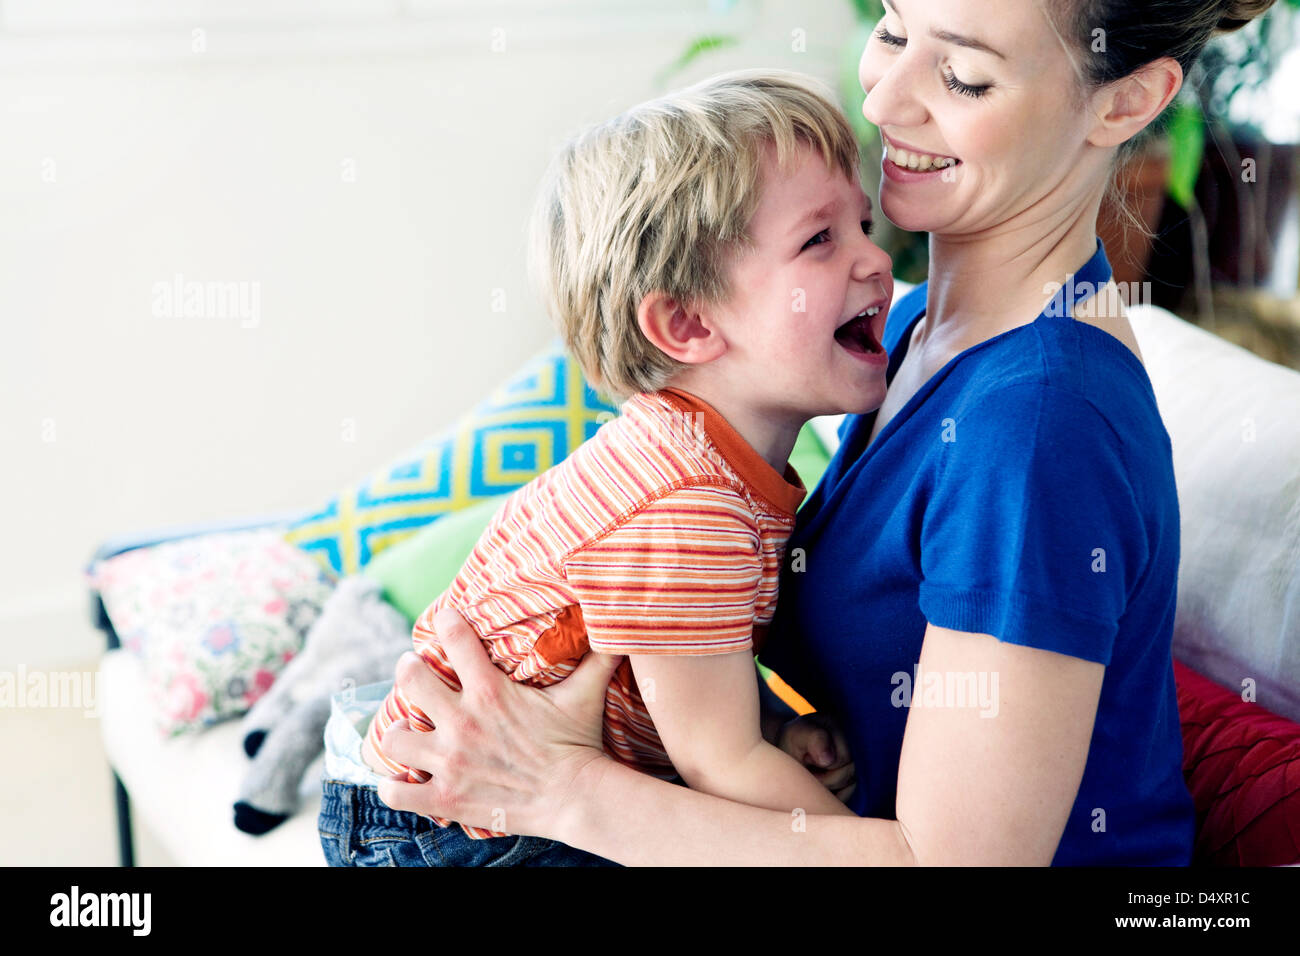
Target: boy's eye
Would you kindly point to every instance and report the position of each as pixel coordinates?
(825, 235)
(817, 240)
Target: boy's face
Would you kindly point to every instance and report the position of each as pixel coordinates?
(797, 337)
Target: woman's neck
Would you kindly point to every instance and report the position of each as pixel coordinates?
(983, 285)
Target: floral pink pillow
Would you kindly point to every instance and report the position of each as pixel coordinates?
(213, 618)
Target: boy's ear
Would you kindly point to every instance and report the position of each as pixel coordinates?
(686, 334)
(1123, 108)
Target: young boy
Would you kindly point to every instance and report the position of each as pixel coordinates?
(706, 256)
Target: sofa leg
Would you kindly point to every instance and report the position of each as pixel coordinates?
(125, 845)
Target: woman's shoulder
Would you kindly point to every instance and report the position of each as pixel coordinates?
(1105, 311)
(1088, 360)
(1059, 389)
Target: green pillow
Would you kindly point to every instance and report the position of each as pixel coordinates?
(809, 457)
(415, 571)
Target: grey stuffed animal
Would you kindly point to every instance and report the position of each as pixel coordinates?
(358, 639)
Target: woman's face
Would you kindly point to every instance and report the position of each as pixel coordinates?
(986, 88)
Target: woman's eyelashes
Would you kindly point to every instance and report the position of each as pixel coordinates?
(825, 235)
(949, 80)
(884, 36)
(957, 86)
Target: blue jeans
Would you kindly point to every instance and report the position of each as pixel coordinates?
(358, 829)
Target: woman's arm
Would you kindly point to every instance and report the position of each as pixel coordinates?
(972, 788)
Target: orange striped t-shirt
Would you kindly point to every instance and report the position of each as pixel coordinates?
(662, 534)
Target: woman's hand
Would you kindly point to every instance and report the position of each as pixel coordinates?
(502, 755)
(817, 742)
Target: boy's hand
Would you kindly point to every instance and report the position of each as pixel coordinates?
(816, 742)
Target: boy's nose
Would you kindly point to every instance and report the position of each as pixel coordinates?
(871, 261)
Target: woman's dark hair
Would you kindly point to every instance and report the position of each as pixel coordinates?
(1135, 32)
(1113, 38)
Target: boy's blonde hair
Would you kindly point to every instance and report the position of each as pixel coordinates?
(660, 198)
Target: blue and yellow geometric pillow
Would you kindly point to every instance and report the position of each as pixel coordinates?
(527, 425)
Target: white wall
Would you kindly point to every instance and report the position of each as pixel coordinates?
(130, 158)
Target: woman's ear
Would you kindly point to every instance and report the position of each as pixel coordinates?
(687, 334)
(1123, 108)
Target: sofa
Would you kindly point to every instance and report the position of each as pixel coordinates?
(1234, 421)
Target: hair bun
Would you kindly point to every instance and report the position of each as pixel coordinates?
(1237, 13)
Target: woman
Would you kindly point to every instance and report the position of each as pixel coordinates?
(984, 593)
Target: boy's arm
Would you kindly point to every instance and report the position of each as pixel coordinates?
(774, 712)
(674, 587)
(706, 710)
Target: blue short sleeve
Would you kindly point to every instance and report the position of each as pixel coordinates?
(1033, 532)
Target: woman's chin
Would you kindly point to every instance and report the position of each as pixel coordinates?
(905, 214)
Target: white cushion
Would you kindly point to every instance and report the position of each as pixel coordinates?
(826, 428)
(1234, 421)
(184, 789)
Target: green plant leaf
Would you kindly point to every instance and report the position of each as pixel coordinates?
(873, 10)
(851, 94)
(700, 45)
(1186, 133)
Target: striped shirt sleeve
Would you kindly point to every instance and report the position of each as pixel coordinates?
(680, 576)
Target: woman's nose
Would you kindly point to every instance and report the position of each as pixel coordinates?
(891, 87)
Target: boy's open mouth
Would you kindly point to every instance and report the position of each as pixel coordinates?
(857, 334)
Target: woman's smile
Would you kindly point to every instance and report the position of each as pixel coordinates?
(914, 158)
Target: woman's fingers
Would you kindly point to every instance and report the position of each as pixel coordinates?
(422, 686)
(423, 798)
(435, 797)
(410, 747)
(497, 746)
(401, 795)
(465, 651)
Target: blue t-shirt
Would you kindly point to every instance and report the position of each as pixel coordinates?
(1025, 491)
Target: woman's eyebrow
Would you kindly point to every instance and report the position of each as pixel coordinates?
(957, 39)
